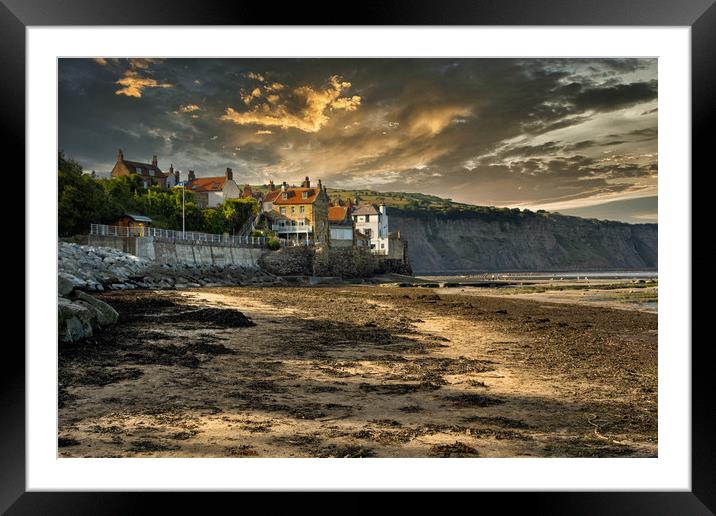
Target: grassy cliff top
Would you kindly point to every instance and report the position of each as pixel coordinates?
(429, 206)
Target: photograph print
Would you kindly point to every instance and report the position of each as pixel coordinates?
(357, 258)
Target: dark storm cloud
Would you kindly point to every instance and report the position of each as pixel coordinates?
(493, 131)
(615, 96)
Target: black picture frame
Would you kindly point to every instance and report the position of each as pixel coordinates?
(700, 15)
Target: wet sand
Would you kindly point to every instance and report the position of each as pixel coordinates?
(360, 371)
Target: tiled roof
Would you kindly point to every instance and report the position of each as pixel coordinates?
(144, 168)
(337, 213)
(365, 209)
(295, 196)
(207, 184)
(271, 195)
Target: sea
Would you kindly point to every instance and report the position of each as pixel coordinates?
(547, 275)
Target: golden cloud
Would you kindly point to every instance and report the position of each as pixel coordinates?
(431, 121)
(189, 108)
(132, 84)
(304, 108)
(256, 76)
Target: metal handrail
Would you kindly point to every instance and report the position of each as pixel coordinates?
(170, 234)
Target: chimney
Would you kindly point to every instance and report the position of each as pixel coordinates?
(120, 155)
(283, 186)
(177, 176)
(229, 173)
(272, 187)
(192, 176)
(306, 183)
(154, 160)
(382, 206)
(320, 186)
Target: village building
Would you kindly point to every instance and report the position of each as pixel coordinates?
(340, 226)
(300, 213)
(209, 192)
(268, 199)
(373, 223)
(150, 173)
(361, 240)
(135, 224)
(248, 193)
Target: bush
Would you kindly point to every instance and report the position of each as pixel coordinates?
(273, 243)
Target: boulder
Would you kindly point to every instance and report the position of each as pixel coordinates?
(64, 286)
(74, 320)
(105, 314)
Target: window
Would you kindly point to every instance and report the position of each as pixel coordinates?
(151, 172)
(293, 209)
(283, 211)
(367, 218)
(284, 195)
(305, 195)
(302, 209)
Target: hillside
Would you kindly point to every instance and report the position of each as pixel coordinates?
(448, 237)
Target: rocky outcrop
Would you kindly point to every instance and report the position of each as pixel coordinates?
(344, 262)
(289, 261)
(441, 243)
(79, 315)
(98, 269)
(83, 269)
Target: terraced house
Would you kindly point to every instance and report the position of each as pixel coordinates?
(299, 213)
(150, 173)
(212, 191)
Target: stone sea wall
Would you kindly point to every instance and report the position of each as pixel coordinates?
(166, 251)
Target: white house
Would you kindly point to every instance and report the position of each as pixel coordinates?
(373, 223)
(212, 191)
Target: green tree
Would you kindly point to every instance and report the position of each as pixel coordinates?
(81, 200)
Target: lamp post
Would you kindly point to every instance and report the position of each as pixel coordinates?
(183, 224)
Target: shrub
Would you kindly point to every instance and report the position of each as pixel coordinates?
(273, 243)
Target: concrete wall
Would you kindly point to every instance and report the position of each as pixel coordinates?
(124, 244)
(190, 253)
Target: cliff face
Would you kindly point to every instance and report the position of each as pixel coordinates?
(441, 243)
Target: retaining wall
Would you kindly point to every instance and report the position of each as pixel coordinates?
(182, 252)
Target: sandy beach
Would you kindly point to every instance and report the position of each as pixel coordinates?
(361, 371)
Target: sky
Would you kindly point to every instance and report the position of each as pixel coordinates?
(577, 136)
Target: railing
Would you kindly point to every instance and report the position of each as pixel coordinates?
(193, 236)
(278, 228)
(250, 225)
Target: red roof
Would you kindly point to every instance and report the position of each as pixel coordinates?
(271, 195)
(295, 196)
(337, 213)
(207, 184)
